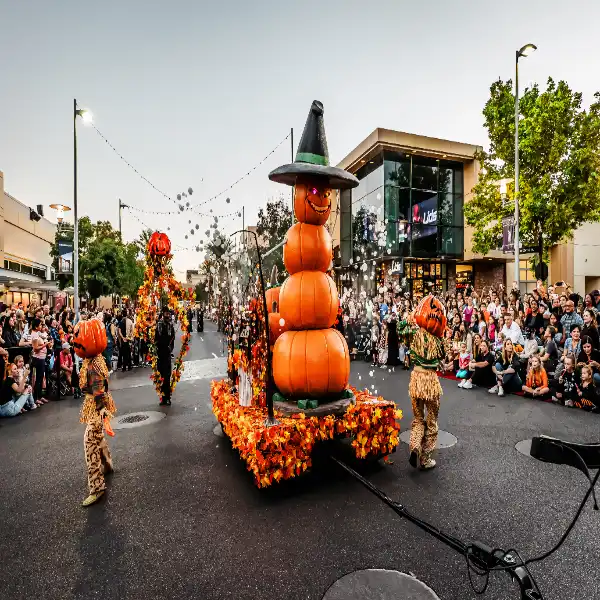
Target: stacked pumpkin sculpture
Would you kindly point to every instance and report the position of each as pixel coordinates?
(310, 359)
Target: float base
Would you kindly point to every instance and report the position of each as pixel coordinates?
(284, 451)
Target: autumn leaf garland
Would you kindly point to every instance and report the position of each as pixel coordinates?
(284, 451)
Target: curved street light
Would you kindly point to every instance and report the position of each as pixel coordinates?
(526, 50)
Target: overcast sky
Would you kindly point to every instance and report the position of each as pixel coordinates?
(195, 93)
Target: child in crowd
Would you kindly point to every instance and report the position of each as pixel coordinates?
(566, 391)
(464, 358)
(536, 385)
(587, 393)
(491, 330)
(499, 343)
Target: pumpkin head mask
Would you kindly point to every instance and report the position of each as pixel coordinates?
(312, 201)
(89, 338)
(430, 315)
(159, 244)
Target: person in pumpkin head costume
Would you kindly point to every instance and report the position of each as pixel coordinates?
(89, 342)
(425, 328)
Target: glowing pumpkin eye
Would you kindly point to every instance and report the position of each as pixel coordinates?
(313, 191)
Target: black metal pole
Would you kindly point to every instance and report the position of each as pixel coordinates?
(269, 391)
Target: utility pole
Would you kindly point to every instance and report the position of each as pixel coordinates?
(243, 227)
(75, 221)
(122, 205)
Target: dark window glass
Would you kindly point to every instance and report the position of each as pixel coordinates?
(451, 241)
(424, 241)
(424, 173)
(397, 172)
(345, 226)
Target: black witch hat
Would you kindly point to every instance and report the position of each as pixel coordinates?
(312, 158)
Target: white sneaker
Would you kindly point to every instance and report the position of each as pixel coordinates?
(468, 385)
(500, 391)
(493, 390)
(462, 383)
(569, 403)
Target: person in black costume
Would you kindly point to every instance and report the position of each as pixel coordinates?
(392, 326)
(200, 319)
(190, 318)
(165, 340)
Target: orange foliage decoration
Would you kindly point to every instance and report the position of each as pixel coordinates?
(159, 279)
(284, 450)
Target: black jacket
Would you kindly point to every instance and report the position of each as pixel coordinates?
(164, 337)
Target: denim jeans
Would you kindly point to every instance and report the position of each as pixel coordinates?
(596, 378)
(511, 382)
(13, 407)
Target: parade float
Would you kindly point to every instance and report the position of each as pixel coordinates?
(288, 367)
(160, 286)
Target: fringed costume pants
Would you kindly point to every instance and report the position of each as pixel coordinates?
(425, 392)
(97, 456)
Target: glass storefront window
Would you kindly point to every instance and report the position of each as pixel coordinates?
(426, 278)
(424, 173)
(408, 205)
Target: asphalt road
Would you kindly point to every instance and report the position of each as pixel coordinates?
(183, 520)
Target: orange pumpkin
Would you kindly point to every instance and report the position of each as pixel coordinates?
(311, 364)
(307, 248)
(272, 295)
(312, 201)
(309, 300)
(275, 326)
(159, 244)
(430, 315)
(89, 338)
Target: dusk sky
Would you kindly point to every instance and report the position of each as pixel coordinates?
(197, 93)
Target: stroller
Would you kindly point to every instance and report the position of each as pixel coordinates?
(363, 342)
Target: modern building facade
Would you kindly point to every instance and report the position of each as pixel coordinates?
(25, 241)
(403, 227)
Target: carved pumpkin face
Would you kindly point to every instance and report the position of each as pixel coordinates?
(159, 244)
(312, 201)
(430, 315)
(89, 338)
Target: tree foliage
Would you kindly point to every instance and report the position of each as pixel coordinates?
(273, 223)
(106, 265)
(559, 166)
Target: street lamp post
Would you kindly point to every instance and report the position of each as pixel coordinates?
(526, 50)
(86, 116)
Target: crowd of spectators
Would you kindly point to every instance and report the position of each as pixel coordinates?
(37, 361)
(544, 344)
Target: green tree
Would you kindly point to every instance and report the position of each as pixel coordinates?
(131, 275)
(273, 223)
(86, 234)
(142, 241)
(559, 160)
(106, 265)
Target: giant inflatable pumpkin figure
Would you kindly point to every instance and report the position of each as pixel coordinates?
(311, 360)
(89, 338)
(159, 244)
